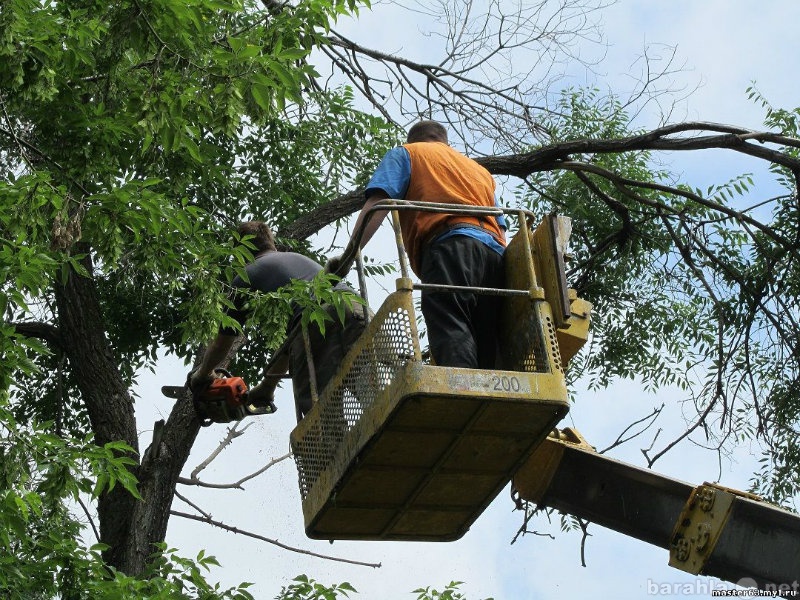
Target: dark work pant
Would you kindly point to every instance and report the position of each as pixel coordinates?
(327, 351)
(462, 326)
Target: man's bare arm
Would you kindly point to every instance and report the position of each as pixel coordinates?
(265, 391)
(216, 352)
(375, 219)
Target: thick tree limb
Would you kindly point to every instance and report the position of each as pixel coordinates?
(328, 213)
(108, 402)
(560, 156)
(43, 331)
(734, 138)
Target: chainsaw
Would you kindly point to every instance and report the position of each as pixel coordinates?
(223, 400)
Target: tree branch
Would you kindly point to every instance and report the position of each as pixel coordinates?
(621, 439)
(558, 156)
(735, 138)
(43, 331)
(232, 433)
(238, 484)
(624, 184)
(221, 525)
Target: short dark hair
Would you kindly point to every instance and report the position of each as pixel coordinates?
(427, 131)
(262, 238)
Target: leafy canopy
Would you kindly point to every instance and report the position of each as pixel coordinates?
(692, 288)
(138, 134)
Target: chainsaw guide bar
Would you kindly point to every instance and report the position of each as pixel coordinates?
(173, 391)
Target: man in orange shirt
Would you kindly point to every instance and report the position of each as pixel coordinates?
(446, 249)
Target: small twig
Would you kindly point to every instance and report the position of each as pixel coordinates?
(89, 517)
(684, 435)
(233, 433)
(210, 521)
(236, 485)
(193, 505)
(620, 440)
(653, 443)
(529, 514)
(584, 525)
(523, 529)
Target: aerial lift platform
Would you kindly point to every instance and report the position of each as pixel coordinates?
(400, 449)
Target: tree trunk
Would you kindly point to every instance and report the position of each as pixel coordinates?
(160, 468)
(129, 527)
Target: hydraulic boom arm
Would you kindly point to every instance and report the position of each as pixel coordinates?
(708, 529)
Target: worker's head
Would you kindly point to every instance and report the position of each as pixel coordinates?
(427, 131)
(262, 238)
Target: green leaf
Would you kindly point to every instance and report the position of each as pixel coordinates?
(262, 95)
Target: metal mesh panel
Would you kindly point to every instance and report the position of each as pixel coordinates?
(371, 365)
(534, 358)
(552, 341)
(522, 336)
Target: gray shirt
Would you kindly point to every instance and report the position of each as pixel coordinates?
(270, 272)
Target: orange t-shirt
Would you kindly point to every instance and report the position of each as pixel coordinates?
(441, 174)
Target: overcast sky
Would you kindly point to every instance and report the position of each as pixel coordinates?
(725, 44)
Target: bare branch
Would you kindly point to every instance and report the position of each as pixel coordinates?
(232, 433)
(584, 525)
(700, 421)
(221, 525)
(238, 484)
(621, 439)
(192, 504)
(523, 529)
(89, 518)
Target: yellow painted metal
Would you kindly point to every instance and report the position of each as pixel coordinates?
(401, 450)
(537, 259)
(549, 246)
(700, 525)
(532, 333)
(533, 478)
(573, 336)
(432, 452)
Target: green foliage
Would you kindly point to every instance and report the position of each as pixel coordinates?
(450, 592)
(43, 482)
(140, 133)
(305, 588)
(134, 136)
(309, 155)
(311, 297)
(772, 274)
(269, 314)
(619, 252)
(689, 290)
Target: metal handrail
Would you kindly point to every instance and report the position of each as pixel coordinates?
(352, 253)
(393, 204)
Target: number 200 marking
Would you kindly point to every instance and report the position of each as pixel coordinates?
(505, 383)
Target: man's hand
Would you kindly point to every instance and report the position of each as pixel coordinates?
(337, 266)
(264, 392)
(198, 380)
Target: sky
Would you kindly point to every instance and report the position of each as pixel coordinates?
(725, 45)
